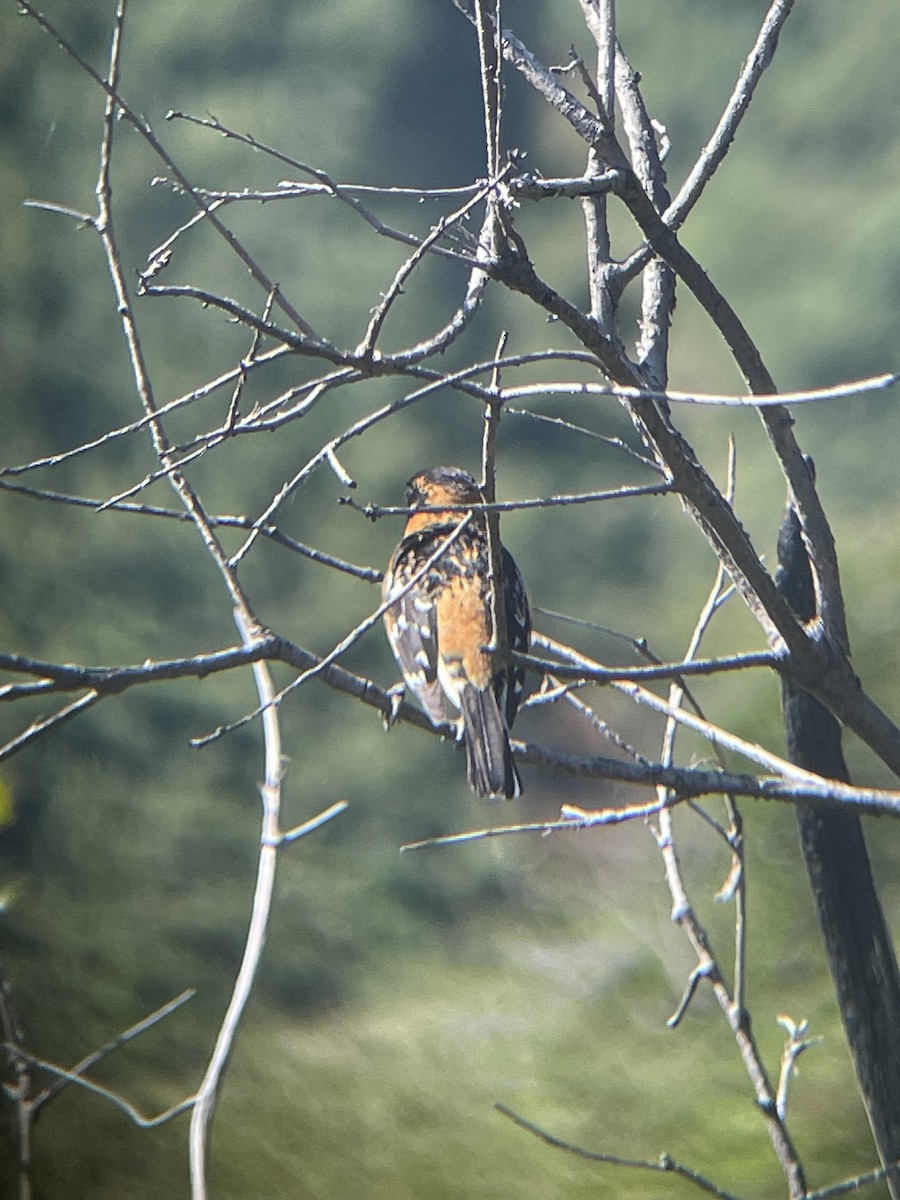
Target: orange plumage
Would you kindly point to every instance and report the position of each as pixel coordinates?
(441, 629)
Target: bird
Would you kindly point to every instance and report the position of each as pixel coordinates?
(441, 628)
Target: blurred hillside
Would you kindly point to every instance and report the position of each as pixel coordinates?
(402, 995)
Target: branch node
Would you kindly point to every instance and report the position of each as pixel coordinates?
(700, 972)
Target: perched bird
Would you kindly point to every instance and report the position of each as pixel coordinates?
(441, 630)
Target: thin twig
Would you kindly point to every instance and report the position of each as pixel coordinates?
(75, 1072)
(702, 971)
(677, 694)
(496, 585)
(838, 391)
(665, 1164)
(117, 104)
(379, 315)
(28, 1108)
(375, 511)
(134, 1114)
(572, 819)
(854, 1184)
(43, 725)
(345, 194)
(797, 1041)
(659, 670)
(219, 521)
(558, 690)
(708, 730)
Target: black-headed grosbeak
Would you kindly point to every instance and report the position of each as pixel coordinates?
(441, 629)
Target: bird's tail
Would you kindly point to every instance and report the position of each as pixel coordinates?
(489, 760)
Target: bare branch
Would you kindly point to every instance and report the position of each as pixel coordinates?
(375, 511)
(665, 1164)
(571, 819)
(717, 147)
(116, 104)
(707, 729)
(854, 1184)
(658, 289)
(133, 1114)
(476, 285)
(688, 667)
(858, 387)
(534, 187)
(326, 186)
(75, 1073)
(28, 1108)
(369, 574)
(694, 782)
(270, 839)
(797, 1041)
(43, 725)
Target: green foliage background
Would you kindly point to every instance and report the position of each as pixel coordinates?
(402, 995)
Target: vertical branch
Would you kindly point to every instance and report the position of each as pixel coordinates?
(730, 1001)
(490, 59)
(600, 18)
(270, 838)
(208, 1092)
(18, 1093)
(499, 639)
(125, 309)
(707, 968)
(857, 940)
(739, 887)
(736, 885)
(658, 288)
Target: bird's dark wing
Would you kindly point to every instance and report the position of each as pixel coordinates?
(411, 625)
(510, 684)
